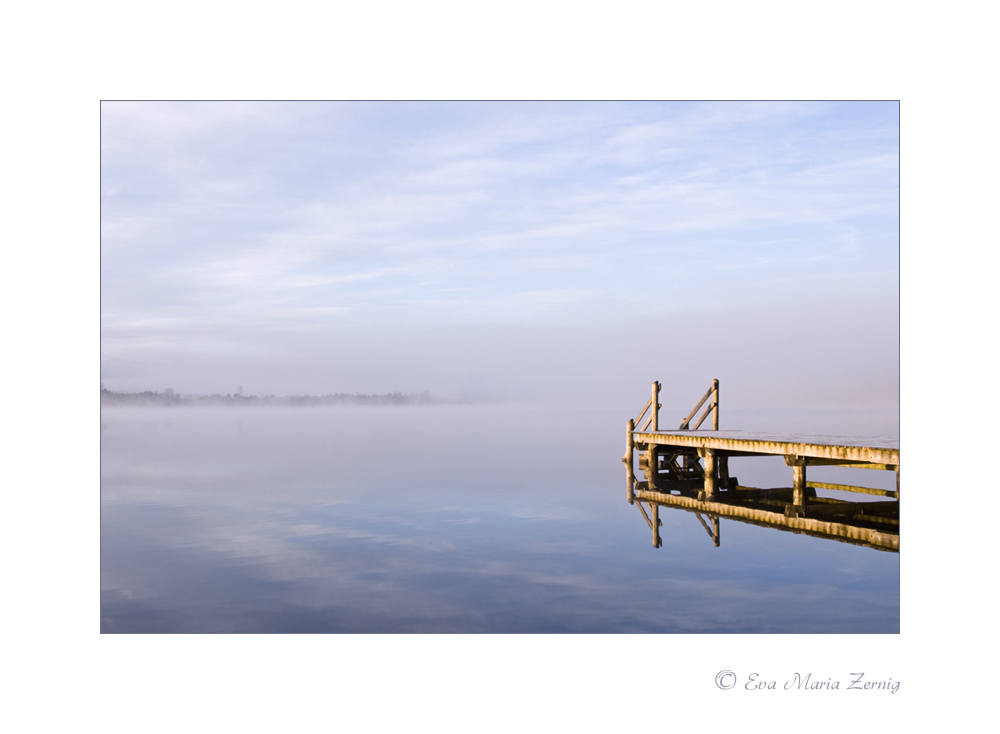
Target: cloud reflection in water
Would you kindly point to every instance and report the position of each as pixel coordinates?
(376, 520)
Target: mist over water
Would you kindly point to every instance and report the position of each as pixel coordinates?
(819, 354)
(446, 518)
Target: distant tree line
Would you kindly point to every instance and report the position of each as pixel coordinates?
(169, 398)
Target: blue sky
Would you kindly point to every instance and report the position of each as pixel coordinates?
(479, 248)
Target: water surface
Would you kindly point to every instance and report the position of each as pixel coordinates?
(443, 519)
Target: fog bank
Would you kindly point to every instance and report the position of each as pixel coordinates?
(830, 355)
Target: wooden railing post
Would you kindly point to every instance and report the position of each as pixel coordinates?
(655, 404)
(715, 410)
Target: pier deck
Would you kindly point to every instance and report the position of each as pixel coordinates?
(749, 443)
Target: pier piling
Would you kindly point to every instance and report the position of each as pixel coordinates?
(629, 452)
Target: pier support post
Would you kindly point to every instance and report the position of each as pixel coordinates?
(709, 490)
(723, 460)
(798, 464)
(657, 540)
(629, 469)
(799, 483)
(716, 540)
(652, 466)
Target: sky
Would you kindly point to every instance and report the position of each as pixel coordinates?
(503, 251)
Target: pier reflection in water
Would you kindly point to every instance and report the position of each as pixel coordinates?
(870, 524)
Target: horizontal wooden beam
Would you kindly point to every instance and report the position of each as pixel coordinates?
(852, 488)
(825, 504)
(770, 447)
(852, 464)
(757, 492)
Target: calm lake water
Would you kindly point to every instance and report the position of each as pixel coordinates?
(444, 518)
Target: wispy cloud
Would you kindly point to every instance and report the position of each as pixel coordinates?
(333, 214)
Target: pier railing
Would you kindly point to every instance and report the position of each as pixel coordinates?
(654, 417)
(713, 407)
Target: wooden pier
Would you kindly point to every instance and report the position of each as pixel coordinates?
(688, 469)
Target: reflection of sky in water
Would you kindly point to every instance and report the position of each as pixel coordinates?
(375, 520)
